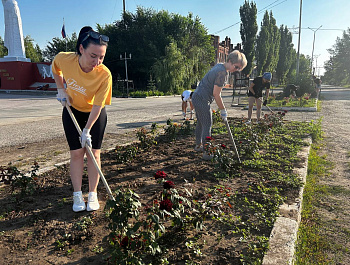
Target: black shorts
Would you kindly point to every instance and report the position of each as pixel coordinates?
(72, 135)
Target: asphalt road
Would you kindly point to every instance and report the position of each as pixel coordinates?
(29, 118)
(34, 117)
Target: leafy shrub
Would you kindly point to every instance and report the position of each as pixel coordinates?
(24, 181)
(144, 94)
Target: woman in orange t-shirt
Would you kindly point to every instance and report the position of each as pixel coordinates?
(88, 90)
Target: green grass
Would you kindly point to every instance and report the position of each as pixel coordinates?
(312, 245)
(297, 102)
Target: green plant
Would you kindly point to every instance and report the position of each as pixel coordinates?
(173, 129)
(146, 139)
(69, 251)
(125, 154)
(83, 224)
(98, 249)
(25, 182)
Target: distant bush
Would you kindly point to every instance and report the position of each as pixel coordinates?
(143, 94)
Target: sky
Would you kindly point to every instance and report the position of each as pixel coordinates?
(43, 19)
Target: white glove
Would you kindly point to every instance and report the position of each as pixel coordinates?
(85, 138)
(62, 96)
(223, 114)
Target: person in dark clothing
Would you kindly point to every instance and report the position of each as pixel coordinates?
(255, 94)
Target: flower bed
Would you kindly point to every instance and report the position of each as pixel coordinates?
(171, 206)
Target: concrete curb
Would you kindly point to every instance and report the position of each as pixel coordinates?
(29, 92)
(284, 232)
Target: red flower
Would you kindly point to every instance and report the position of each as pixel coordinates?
(223, 146)
(283, 114)
(168, 184)
(125, 242)
(160, 174)
(209, 138)
(166, 205)
(285, 111)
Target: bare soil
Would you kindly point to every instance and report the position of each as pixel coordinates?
(35, 224)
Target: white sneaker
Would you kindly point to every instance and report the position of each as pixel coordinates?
(248, 122)
(78, 202)
(198, 148)
(92, 204)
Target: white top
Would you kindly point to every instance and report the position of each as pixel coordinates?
(186, 94)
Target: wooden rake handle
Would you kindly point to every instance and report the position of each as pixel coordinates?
(231, 138)
(88, 148)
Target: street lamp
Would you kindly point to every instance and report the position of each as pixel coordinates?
(126, 70)
(313, 44)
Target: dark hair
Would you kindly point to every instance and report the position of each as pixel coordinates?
(82, 34)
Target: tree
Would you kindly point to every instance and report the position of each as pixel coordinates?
(275, 38)
(248, 30)
(170, 70)
(3, 49)
(32, 52)
(148, 35)
(285, 54)
(263, 44)
(268, 42)
(338, 66)
(59, 45)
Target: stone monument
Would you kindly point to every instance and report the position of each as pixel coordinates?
(14, 41)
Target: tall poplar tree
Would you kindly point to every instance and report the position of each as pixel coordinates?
(248, 30)
(268, 42)
(262, 44)
(275, 38)
(285, 54)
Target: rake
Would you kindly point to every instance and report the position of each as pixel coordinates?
(231, 138)
(88, 148)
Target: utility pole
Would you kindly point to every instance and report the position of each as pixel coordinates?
(126, 70)
(123, 7)
(316, 68)
(298, 54)
(313, 45)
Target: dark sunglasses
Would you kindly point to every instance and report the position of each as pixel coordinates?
(96, 36)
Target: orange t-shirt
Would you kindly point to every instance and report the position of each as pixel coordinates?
(84, 89)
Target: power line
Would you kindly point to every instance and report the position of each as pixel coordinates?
(295, 29)
(257, 13)
(113, 10)
(266, 7)
(315, 28)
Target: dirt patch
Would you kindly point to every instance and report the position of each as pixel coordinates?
(51, 152)
(43, 229)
